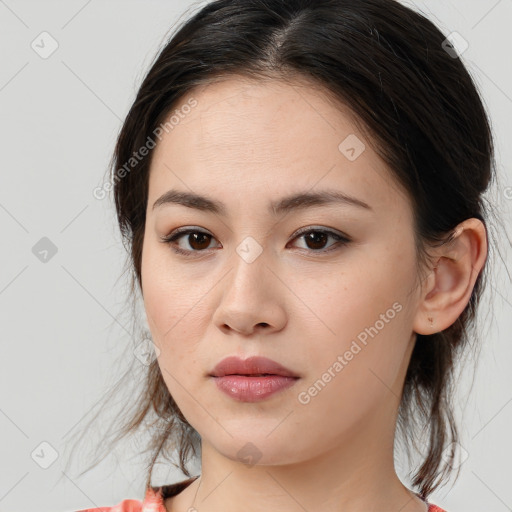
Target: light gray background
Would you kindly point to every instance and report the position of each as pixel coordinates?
(63, 328)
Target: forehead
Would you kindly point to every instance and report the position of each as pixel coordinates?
(271, 136)
(241, 116)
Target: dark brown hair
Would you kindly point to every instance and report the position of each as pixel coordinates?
(420, 107)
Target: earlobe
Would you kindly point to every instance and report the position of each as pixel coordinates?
(449, 286)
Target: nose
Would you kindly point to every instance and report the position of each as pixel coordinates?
(251, 298)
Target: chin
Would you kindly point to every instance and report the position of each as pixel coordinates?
(260, 449)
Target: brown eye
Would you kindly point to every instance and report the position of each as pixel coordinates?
(197, 241)
(316, 239)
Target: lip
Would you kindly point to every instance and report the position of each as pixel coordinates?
(252, 379)
(255, 365)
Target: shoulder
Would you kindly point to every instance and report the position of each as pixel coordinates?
(435, 508)
(153, 502)
(124, 506)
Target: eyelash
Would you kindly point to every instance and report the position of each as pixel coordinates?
(181, 232)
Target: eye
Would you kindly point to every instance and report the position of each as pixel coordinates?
(196, 239)
(199, 241)
(316, 238)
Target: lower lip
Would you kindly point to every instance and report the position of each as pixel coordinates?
(253, 389)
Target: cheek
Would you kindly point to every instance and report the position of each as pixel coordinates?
(356, 369)
(177, 314)
(166, 308)
(341, 303)
(360, 313)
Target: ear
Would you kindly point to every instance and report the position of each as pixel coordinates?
(447, 289)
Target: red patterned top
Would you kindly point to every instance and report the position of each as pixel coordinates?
(155, 496)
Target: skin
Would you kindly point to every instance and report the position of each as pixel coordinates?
(247, 143)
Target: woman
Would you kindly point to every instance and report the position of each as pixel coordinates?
(300, 186)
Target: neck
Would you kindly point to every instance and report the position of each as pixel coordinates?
(355, 477)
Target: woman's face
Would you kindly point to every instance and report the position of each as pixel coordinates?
(339, 315)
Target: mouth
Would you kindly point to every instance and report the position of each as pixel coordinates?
(251, 367)
(252, 380)
(252, 375)
(253, 388)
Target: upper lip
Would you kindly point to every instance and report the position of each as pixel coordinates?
(252, 366)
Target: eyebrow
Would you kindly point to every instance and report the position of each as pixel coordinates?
(293, 202)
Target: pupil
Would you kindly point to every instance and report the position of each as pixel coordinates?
(195, 238)
(314, 237)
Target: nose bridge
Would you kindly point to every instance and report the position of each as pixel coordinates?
(248, 300)
(249, 260)
(249, 289)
